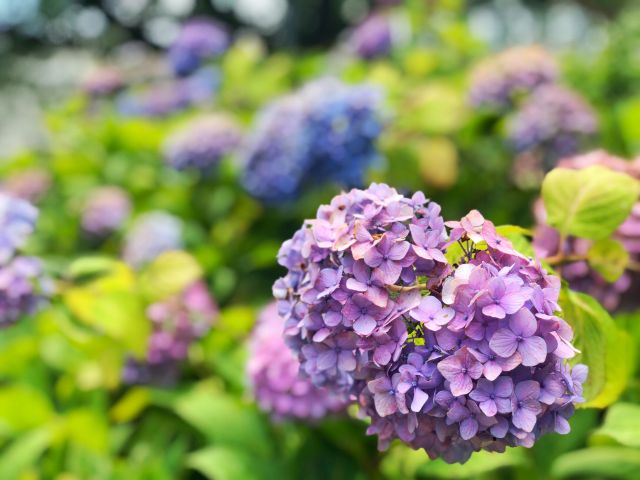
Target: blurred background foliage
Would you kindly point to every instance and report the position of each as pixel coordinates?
(65, 412)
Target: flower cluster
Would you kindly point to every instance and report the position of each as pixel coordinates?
(273, 373)
(553, 120)
(578, 273)
(449, 357)
(103, 82)
(372, 38)
(198, 40)
(325, 132)
(162, 99)
(105, 211)
(202, 143)
(17, 221)
(176, 323)
(152, 234)
(30, 184)
(22, 281)
(496, 81)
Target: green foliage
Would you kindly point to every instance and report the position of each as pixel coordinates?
(604, 348)
(622, 424)
(599, 462)
(589, 203)
(609, 258)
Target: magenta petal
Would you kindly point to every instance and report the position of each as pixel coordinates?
(390, 272)
(468, 428)
(523, 322)
(419, 399)
(379, 385)
(527, 390)
(493, 310)
(346, 361)
(533, 351)
(356, 286)
(398, 251)
(460, 384)
(373, 257)
(385, 404)
(562, 425)
(503, 404)
(524, 419)
(326, 359)
(489, 408)
(450, 367)
(365, 325)
(500, 429)
(376, 295)
(503, 342)
(503, 387)
(491, 370)
(512, 302)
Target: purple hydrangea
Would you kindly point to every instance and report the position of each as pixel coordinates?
(152, 234)
(105, 211)
(449, 357)
(103, 82)
(176, 323)
(166, 98)
(23, 288)
(554, 122)
(372, 38)
(273, 373)
(198, 40)
(202, 143)
(325, 132)
(17, 222)
(29, 185)
(498, 80)
(579, 274)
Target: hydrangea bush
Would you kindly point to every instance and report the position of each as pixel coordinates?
(325, 132)
(176, 323)
(580, 275)
(497, 81)
(449, 356)
(272, 370)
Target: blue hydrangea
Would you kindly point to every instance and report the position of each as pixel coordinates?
(17, 222)
(152, 234)
(325, 132)
(198, 40)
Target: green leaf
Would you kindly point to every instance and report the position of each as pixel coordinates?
(169, 274)
(131, 404)
(23, 407)
(622, 423)
(600, 462)
(24, 453)
(609, 258)
(90, 267)
(224, 420)
(605, 349)
(589, 203)
(221, 463)
(480, 463)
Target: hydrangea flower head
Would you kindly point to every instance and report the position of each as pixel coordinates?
(176, 323)
(496, 81)
(202, 143)
(325, 132)
(579, 274)
(103, 82)
(198, 40)
(553, 120)
(17, 221)
(23, 288)
(29, 185)
(372, 38)
(451, 358)
(152, 234)
(273, 372)
(106, 209)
